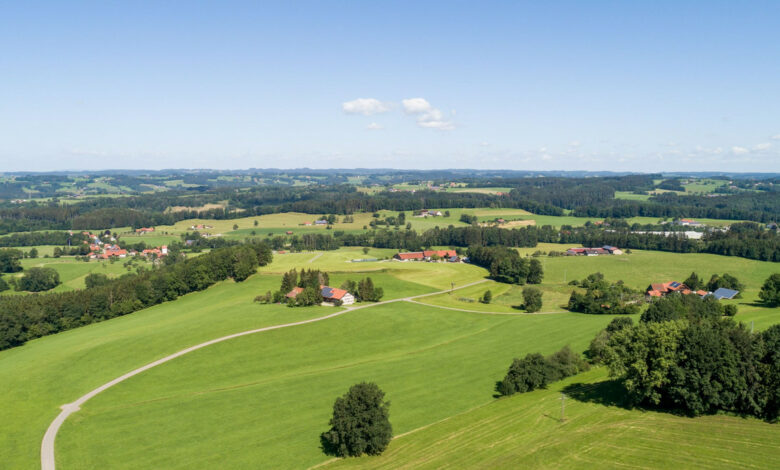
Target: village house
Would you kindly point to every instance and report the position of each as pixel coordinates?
(157, 252)
(144, 230)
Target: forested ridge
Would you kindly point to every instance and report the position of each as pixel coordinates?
(586, 197)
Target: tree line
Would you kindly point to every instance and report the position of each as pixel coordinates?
(31, 316)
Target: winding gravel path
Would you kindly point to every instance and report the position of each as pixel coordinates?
(47, 445)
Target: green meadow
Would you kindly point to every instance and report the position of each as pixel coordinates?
(525, 431)
(262, 400)
(72, 272)
(266, 398)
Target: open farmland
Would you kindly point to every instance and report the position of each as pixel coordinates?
(257, 389)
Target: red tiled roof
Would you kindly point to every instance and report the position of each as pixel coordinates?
(413, 255)
(294, 293)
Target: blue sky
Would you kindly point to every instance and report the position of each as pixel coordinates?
(639, 86)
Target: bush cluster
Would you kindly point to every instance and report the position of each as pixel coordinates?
(536, 371)
(601, 297)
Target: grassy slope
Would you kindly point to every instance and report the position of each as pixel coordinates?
(266, 398)
(523, 431)
(35, 379)
(73, 272)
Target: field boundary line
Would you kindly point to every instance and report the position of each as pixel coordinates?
(47, 444)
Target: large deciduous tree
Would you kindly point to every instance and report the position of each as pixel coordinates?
(360, 423)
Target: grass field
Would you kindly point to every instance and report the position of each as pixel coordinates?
(638, 270)
(524, 431)
(73, 272)
(431, 363)
(265, 398)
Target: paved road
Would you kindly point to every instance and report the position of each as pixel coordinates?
(47, 445)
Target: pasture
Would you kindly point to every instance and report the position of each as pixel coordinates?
(266, 397)
(72, 272)
(524, 431)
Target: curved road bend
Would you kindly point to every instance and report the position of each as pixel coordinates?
(47, 445)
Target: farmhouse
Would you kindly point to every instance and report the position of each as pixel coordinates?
(666, 288)
(289, 232)
(294, 293)
(604, 250)
(689, 223)
(449, 255)
(332, 294)
(321, 222)
(144, 230)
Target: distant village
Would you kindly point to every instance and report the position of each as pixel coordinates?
(109, 249)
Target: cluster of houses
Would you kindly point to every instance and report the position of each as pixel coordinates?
(604, 250)
(102, 250)
(329, 294)
(428, 255)
(199, 227)
(108, 251)
(666, 288)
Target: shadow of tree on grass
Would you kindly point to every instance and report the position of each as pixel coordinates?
(607, 393)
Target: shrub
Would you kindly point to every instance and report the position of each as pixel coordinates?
(360, 423)
(535, 371)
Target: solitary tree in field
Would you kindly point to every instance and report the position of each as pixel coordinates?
(770, 291)
(532, 298)
(360, 423)
(487, 297)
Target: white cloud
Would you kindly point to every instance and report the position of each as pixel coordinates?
(374, 126)
(416, 105)
(739, 150)
(574, 143)
(365, 106)
(484, 144)
(764, 146)
(775, 137)
(427, 116)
